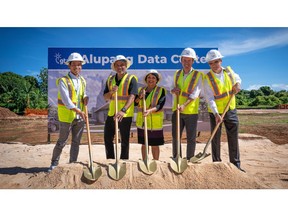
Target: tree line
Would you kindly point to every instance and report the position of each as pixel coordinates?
(264, 97)
(18, 93)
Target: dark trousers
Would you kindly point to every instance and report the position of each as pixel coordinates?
(109, 133)
(190, 122)
(231, 123)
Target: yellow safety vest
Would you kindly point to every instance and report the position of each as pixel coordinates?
(123, 94)
(187, 87)
(155, 119)
(64, 114)
(222, 91)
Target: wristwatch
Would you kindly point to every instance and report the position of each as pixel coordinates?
(124, 109)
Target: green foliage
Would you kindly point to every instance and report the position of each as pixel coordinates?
(18, 93)
(264, 97)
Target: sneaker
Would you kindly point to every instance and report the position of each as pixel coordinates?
(51, 168)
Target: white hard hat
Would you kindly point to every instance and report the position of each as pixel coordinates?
(120, 58)
(75, 57)
(213, 55)
(155, 73)
(189, 52)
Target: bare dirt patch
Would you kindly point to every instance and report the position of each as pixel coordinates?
(25, 157)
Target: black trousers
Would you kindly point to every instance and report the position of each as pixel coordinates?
(189, 121)
(109, 134)
(231, 123)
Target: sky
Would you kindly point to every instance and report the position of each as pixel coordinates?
(252, 35)
(258, 54)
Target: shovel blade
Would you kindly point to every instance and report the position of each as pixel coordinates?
(178, 164)
(92, 173)
(200, 156)
(148, 167)
(117, 171)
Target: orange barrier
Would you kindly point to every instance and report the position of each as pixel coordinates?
(29, 111)
(283, 106)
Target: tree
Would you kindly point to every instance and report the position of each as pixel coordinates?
(254, 93)
(266, 90)
(32, 80)
(43, 80)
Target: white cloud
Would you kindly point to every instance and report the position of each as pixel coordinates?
(275, 87)
(278, 87)
(234, 46)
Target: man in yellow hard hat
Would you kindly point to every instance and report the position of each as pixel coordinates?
(71, 101)
(219, 84)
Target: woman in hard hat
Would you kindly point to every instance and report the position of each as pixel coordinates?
(71, 101)
(219, 84)
(127, 88)
(155, 97)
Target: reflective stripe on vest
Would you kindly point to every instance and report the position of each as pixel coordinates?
(187, 88)
(221, 96)
(217, 94)
(123, 94)
(155, 119)
(64, 114)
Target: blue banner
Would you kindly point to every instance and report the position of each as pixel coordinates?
(141, 58)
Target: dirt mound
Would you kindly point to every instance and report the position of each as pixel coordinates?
(203, 176)
(6, 113)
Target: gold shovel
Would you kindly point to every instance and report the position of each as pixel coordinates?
(148, 167)
(116, 171)
(91, 173)
(178, 164)
(200, 156)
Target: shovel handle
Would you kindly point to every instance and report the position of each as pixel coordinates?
(145, 126)
(178, 127)
(116, 126)
(217, 126)
(88, 134)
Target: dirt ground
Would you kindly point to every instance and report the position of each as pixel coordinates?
(25, 157)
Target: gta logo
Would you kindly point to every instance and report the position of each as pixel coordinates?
(58, 59)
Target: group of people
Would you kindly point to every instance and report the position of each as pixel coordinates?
(217, 86)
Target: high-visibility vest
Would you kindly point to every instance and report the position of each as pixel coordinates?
(187, 87)
(64, 114)
(123, 94)
(222, 91)
(154, 119)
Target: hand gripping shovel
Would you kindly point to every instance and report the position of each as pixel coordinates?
(92, 173)
(178, 164)
(116, 171)
(200, 156)
(148, 167)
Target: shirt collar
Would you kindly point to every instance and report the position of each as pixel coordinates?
(73, 76)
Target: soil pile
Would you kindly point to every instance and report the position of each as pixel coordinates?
(6, 113)
(203, 176)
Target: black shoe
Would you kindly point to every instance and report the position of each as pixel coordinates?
(238, 166)
(241, 169)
